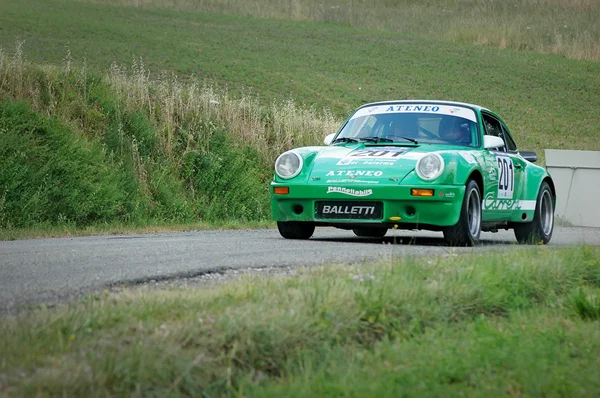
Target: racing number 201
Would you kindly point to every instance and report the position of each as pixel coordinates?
(506, 178)
(382, 154)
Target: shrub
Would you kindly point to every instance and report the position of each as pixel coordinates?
(48, 175)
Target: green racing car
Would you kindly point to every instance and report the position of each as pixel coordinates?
(434, 165)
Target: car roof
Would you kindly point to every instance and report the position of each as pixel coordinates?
(421, 101)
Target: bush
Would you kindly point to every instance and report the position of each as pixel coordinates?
(228, 180)
(49, 175)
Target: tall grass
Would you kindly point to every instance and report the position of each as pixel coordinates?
(190, 150)
(182, 109)
(179, 110)
(564, 27)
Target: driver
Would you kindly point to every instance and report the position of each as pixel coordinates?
(456, 131)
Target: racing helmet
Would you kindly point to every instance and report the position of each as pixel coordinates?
(455, 129)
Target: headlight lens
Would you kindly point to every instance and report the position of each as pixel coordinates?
(430, 167)
(288, 165)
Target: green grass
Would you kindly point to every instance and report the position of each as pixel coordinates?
(48, 174)
(524, 322)
(543, 98)
(56, 230)
(564, 27)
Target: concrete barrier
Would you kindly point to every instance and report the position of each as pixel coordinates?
(576, 175)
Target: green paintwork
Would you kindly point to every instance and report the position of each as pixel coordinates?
(338, 172)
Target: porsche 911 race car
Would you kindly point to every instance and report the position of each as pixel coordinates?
(434, 165)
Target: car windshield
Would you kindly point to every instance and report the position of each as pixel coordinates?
(411, 124)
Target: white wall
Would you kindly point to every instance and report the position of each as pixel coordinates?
(576, 175)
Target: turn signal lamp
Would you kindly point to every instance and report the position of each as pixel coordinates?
(421, 192)
(281, 190)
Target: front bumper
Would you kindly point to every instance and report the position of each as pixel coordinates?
(399, 206)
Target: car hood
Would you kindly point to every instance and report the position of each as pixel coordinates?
(363, 164)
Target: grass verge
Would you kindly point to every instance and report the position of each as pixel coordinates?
(43, 231)
(523, 322)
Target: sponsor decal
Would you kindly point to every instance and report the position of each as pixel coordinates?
(346, 209)
(354, 173)
(383, 156)
(350, 191)
(450, 194)
(489, 203)
(452, 110)
(468, 156)
(490, 165)
(350, 162)
(348, 180)
(412, 108)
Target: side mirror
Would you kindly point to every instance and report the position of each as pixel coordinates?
(491, 141)
(529, 156)
(328, 139)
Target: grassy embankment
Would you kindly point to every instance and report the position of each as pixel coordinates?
(122, 151)
(524, 323)
(153, 132)
(563, 27)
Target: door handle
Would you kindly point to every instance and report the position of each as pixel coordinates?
(517, 166)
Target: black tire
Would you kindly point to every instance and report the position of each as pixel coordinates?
(540, 229)
(295, 230)
(467, 230)
(370, 232)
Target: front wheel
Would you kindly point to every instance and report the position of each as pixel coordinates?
(540, 229)
(370, 232)
(295, 229)
(467, 230)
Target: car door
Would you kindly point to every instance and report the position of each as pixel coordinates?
(519, 164)
(505, 184)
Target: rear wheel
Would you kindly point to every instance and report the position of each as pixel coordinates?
(540, 229)
(370, 232)
(467, 230)
(295, 229)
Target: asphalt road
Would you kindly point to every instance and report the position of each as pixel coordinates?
(49, 270)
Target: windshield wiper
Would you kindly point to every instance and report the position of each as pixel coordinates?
(409, 139)
(376, 139)
(344, 139)
(387, 139)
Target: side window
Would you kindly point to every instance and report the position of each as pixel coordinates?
(493, 127)
(512, 147)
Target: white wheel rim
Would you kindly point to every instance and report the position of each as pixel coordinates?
(546, 213)
(474, 212)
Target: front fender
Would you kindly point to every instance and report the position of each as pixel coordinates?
(308, 154)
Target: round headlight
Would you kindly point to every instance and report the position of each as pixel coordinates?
(430, 167)
(288, 165)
